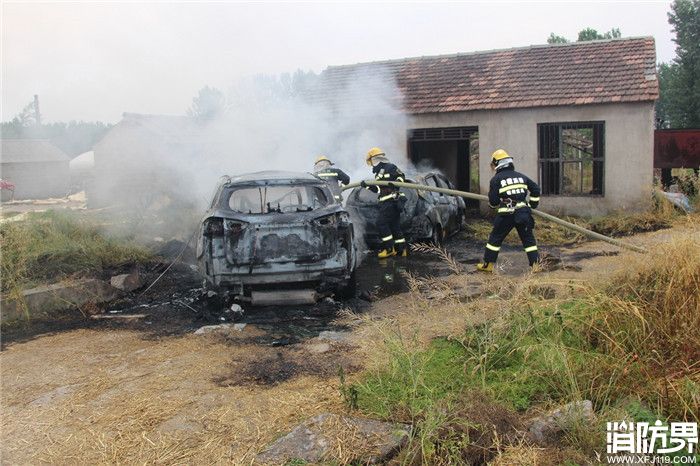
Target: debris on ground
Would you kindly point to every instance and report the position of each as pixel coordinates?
(43, 300)
(318, 348)
(127, 281)
(207, 329)
(679, 200)
(334, 438)
(333, 336)
(118, 316)
(548, 428)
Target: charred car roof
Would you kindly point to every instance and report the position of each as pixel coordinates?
(273, 177)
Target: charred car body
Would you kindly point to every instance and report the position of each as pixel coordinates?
(279, 232)
(426, 216)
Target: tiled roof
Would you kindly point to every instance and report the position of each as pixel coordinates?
(617, 70)
(30, 150)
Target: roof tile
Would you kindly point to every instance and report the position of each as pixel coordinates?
(581, 73)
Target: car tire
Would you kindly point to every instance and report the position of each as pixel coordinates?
(349, 290)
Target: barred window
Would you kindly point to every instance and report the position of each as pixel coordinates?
(571, 157)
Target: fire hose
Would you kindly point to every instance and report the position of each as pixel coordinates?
(481, 197)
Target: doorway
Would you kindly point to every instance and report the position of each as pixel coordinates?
(453, 151)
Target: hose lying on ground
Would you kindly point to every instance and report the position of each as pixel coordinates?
(481, 197)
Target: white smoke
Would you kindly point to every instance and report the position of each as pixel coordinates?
(267, 126)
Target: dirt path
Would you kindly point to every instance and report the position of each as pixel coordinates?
(129, 393)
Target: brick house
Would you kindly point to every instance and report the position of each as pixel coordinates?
(577, 117)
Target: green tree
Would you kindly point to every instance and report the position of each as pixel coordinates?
(209, 103)
(555, 39)
(679, 81)
(586, 35)
(592, 34)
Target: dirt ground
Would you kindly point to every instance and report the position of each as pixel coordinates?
(149, 390)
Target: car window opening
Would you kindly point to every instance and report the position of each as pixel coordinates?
(277, 199)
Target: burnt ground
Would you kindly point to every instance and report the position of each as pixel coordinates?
(146, 389)
(175, 304)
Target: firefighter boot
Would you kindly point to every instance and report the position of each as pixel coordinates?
(384, 253)
(485, 267)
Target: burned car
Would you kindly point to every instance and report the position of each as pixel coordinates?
(426, 215)
(276, 234)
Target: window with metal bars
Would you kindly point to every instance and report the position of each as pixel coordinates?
(571, 158)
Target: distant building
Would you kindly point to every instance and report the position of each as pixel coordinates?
(81, 171)
(131, 161)
(578, 118)
(37, 168)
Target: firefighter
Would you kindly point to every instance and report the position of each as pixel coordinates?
(391, 201)
(323, 168)
(508, 192)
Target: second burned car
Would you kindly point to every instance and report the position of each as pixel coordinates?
(426, 216)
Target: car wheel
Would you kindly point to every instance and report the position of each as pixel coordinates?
(437, 236)
(348, 291)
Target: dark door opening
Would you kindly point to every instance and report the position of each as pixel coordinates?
(453, 151)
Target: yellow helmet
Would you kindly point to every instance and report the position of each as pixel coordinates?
(322, 158)
(373, 152)
(500, 154)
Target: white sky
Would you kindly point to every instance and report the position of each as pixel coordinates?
(93, 61)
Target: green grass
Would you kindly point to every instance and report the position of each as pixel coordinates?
(52, 245)
(634, 338)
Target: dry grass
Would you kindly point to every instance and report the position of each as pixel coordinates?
(52, 245)
(159, 405)
(650, 315)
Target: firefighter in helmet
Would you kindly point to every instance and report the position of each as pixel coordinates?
(391, 201)
(508, 195)
(335, 177)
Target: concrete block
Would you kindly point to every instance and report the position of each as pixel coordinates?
(44, 300)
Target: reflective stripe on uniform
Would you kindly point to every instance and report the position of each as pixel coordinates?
(402, 240)
(531, 248)
(338, 197)
(327, 174)
(400, 179)
(493, 248)
(512, 186)
(388, 238)
(512, 209)
(387, 197)
(535, 199)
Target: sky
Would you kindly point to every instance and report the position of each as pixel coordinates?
(92, 61)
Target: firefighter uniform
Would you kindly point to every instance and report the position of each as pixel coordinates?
(335, 177)
(508, 195)
(391, 201)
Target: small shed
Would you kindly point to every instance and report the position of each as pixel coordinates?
(37, 168)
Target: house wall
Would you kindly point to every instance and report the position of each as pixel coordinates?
(629, 149)
(37, 180)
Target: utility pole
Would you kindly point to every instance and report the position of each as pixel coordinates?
(37, 114)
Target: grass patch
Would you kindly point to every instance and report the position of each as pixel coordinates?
(52, 245)
(633, 338)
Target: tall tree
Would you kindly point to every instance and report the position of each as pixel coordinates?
(208, 104)
(679, 81)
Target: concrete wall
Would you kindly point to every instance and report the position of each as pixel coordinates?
(37, 180)
(629, 149)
